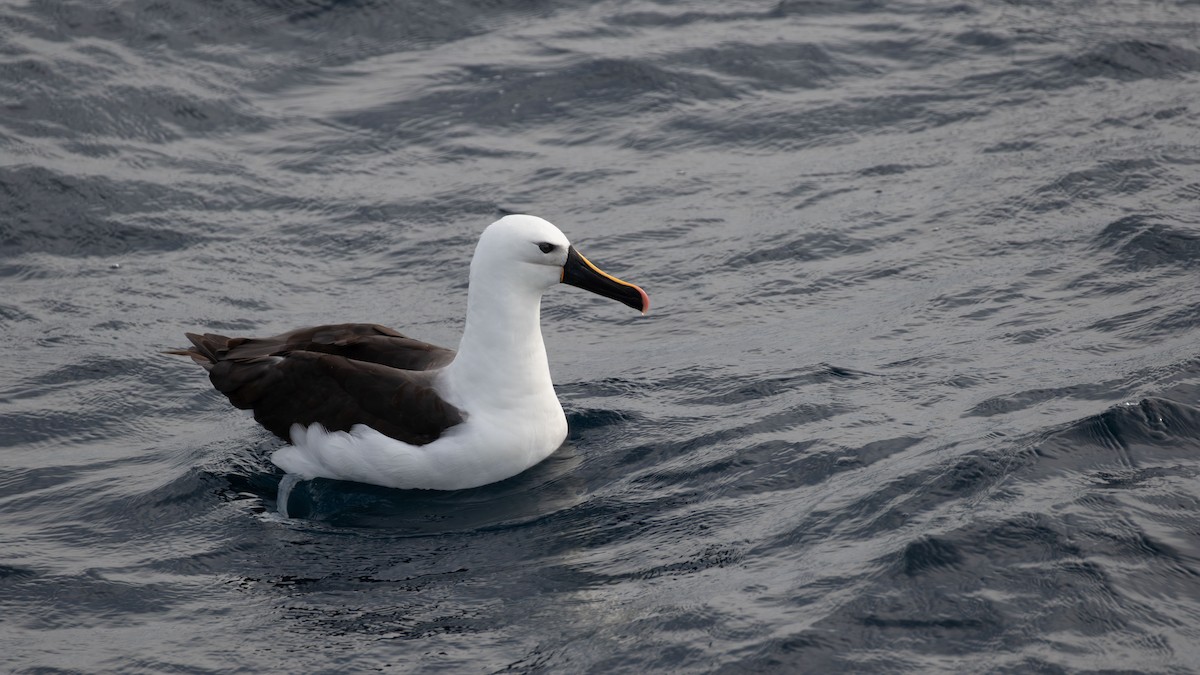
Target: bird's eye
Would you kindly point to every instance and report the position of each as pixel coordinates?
(546, 247)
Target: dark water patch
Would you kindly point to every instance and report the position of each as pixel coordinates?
(1103, 181)
(1117, 479)
(1012, 146)
(874, 451)
(818, 649)
(660, 19)
(736, 389)
(1023, 400)
(793, 129)
(760, 468)
(928, 553)
(827, 370)
(408, 622)
(897, 50)
(1077, 571)
(901, 501)
(89, 599)
(274, 26)
(559, 176)
(21, 427)
(888, 170)
(978, 295)
(382, 26)
(742, 389)
(733, 456)
(708, 557)
(87, 401)
(12, 574)
(174, 501)
(42, 479)
(768, 66)
(806, 247)
(680, 187)
(969, 478)
(832, 287)
(50, 101)
(64, 20)
(1028, 337)
(782, 466)
(329, 11)
(669, 234)
(1133, 60)
(74, 374)
(11, 314)
(1170, 113)
(1122, 323)
(906, 624)
(978, 589)
(965, 381)
(1093, 284)
(1151, 323)
(1142, 242)
(1031, 537)
(62, 214)
(804, 8)
(821, 196)
(966, 477)
(580, 422)
(607, 387)
(153, 114)
(489, 97)
(248, 475)
(1126, 541)
(1127, 437)
(940, 627)
(984, 39)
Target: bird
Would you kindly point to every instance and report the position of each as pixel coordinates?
(365, 403)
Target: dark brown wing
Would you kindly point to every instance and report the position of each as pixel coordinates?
(336, 375)
(358, 341)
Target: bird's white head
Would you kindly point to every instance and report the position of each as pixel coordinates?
(527, 255)
(526, 251)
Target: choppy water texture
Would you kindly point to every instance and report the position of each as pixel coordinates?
(918, 392)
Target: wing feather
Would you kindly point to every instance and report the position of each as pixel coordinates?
(338, 375)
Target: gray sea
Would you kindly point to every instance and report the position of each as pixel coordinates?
(918, 391)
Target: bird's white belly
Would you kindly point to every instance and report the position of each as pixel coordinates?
(485, 448)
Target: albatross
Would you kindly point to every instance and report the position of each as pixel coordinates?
(365, 403)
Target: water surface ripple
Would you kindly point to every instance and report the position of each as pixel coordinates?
(918, 394)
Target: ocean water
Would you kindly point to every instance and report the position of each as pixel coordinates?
(917, 393)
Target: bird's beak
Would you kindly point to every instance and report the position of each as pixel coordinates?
(579, 271)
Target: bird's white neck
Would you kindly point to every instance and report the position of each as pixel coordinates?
(502, 357)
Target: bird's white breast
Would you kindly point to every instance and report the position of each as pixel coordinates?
(501, 437)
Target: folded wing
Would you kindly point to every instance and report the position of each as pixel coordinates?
(337, 375)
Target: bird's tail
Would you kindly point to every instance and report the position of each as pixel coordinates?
(205, 350)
